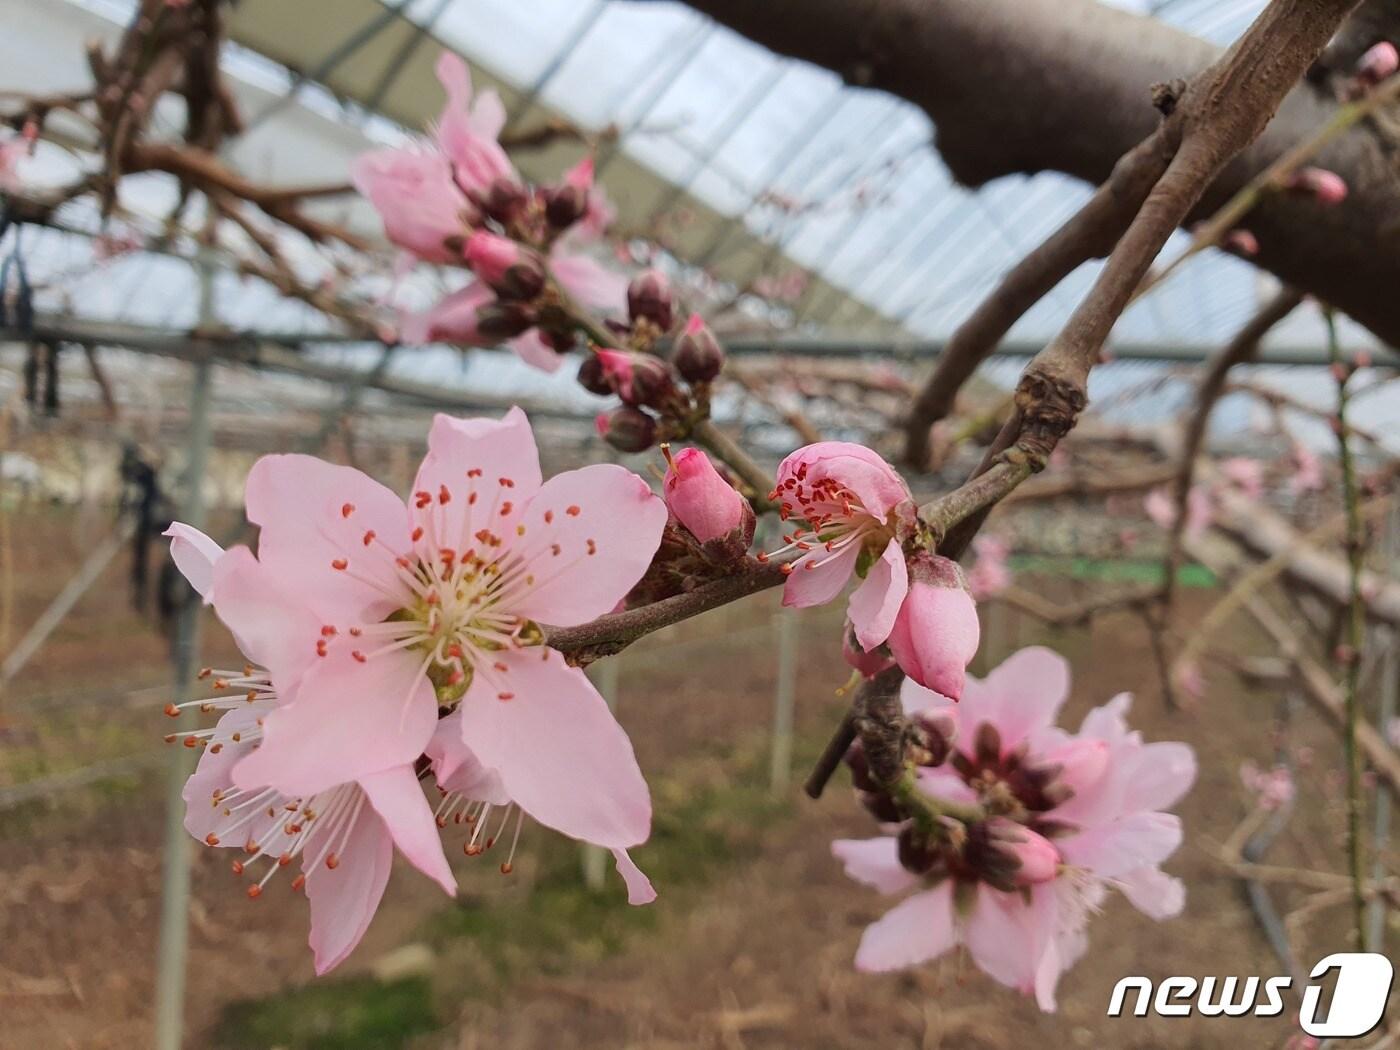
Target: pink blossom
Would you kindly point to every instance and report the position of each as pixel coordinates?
(1307, 470)
(12, 151)
(707, 505)
(343, 835)
(1245, 474)
(422, 208)
(467, 130)
(852, 503)
(1102, 792)
(990, 574)
(1242, 242)
(1200, 509)
(1272, 789)
(437, 605)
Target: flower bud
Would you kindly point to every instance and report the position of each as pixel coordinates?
(936, 632)
(504, 320)
(627, 429)
(1242, 242)
(1379, 62)
(707, 505)
(639, 379)
(503, 199)
(1034, 857)
(592, 377)
(567, 203)
(1326, 186)
(513, 271)
(649, 297)
(916, 853)
(698, 356)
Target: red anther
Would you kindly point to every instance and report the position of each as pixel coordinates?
(475, 472)
(506, 508)
(572, 511)
(455, 650)
(507, 482)
(340, 565)
(471, 499)
(786, 569)
(346, 509)
(555, 549)
(250, 848)
(401, 562)
(441, 822)
(170, 738)
(592, 547)
(236, 737)
(804, 546)
(220, 683)
(369, 537)
(321, 647)
(355, 632)
(448, 555)
(359, 656)
(216, 749)
(172, 710)
(238, 867)
(284, 860)
(254, 892)
(191, 741)
(483, 536)
(456, 677)
(298, 882)
(500, 667)
(444, 496)
(422, 499)
(809, 566)
(471, 849)
(328, 631)
(211, 839)
(507, 868)
(432, 598)
(417, 534)
(762, 557)
(505, 696)
(548, 517)
(205, 672)
(332, 862)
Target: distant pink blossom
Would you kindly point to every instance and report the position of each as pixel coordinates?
(1200, 509)
(1099, 807)
(1327, 187)
(990, 573)
(437, 605)
(1245, 474)
(343, 835)
(1307, 470)
(851, 503)
(1272, 788)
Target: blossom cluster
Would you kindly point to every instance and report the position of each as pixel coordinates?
(1048, 822)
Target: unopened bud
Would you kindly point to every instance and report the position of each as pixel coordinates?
(1242, 241)
(627, 429)
(513, 271)
(504, 320)
(649, 296)
(592, 377)
(698, 356)
(564, 206)
(1035, 858)
(1379, 62)
(1327, 187)
(639, 379)
(503, 200)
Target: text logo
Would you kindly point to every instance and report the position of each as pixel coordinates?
(1356, 1006)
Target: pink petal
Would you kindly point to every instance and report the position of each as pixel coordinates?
(416, 198)
(1154, 893)
(935, 636)
(558, 749)
(504, 453)
(301, 504)
(271, 626)
(915, 698)
(457, 768)
(818, 576)
(943, 783)
(590, 535)
(639, 888)
(1061, 953)
(1006, 936)
(1022, 694)
(875, 603)
(194, 555)
(348, 721)
(874, 862)
(535, 352)
(345, 898)
(488, 114)
(204, 816)
(591, 283)
(877, 484)
(1161, 774)
(453, 319)
(913, 931)
(1135, 841)
(397, 797)
(467, 136)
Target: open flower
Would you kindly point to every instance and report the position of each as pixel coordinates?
(342, 836)
(436, 605)
(854, 505)
(1087, 810)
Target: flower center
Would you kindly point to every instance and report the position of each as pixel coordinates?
(835, 518)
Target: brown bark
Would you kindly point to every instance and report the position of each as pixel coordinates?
(1065, 85)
